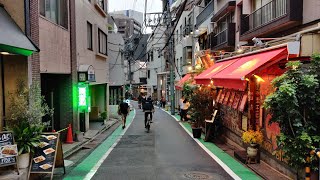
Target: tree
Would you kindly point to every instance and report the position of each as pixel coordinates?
(295, 106)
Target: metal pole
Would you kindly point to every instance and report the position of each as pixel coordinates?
(172, 62)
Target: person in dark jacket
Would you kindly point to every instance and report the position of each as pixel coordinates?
(123, 110)
(148, 109)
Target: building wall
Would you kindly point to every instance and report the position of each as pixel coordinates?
(16, 10)
(55, 48)
(311, 11)
(180, 44)
(115, 59)
(86, 11)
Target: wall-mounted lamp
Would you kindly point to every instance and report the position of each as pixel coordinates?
(257, 42)
(259, 79)
(244, 79)
(190, 68)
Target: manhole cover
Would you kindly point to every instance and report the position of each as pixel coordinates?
(196, 176)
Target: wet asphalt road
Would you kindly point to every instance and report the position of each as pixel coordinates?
(166, 153)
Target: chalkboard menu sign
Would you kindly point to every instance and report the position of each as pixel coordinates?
(44, 157)
(8, 150)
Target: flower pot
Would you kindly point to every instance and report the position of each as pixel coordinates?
(252, 151)
(196, 132)
(24, 160)
(79, 137)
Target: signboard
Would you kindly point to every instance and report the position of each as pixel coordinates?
(44, 157)
(83, 97)
(82, 76)
(91, 74)
(8, 150)
(243, 102)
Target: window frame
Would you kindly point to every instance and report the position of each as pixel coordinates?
(91, 34)
(61, 15)
(99, 42)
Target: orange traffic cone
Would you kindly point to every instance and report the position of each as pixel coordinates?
(69, 135)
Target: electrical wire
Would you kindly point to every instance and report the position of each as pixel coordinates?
(116, 61)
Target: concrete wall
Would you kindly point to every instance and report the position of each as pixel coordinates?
(15, 8)
(85, 11)
(156, 43)
(180, 44)
(115, 60)
(311, 11)
(55, 47)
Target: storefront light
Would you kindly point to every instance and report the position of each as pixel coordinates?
(259, 79)
(4, 53)
(190, 68)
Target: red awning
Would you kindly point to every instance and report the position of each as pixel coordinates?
(206, 76)
(179, 85)
(233, 76)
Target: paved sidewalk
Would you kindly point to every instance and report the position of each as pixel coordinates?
(226, 151)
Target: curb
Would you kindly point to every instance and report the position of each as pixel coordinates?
(74, 149)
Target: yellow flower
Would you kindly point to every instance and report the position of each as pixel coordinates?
(252, 137)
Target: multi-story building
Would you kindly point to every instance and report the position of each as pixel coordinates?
(15, 48)
(156, 65)
(51, 28)
(92, 55)
(126, 26)
(138, 16)
(117, 75)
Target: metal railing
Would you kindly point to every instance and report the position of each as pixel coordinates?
(267, 13)
(204, 15)
(221, 37)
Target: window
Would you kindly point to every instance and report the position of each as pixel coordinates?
(151, 55)
(102, 42)
(101, 4)
(55, 10)
(89, 35)
(148, 74)
(189, 54)
(180, 33)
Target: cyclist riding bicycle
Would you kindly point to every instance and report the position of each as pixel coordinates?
(148, 109)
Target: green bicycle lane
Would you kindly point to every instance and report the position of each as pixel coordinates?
(86, 168)
(239, 169)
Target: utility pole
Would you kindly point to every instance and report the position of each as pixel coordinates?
(171, 60)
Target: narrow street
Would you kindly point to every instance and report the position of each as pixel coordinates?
(167, 152)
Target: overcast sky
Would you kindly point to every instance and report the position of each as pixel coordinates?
(138, 5)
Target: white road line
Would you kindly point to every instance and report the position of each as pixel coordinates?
(104, 157)
(221, 163)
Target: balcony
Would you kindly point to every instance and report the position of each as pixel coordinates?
(205, 13)
(276, 16)
(224, 40)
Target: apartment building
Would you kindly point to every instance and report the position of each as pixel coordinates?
(92, 56)
(126, 26)
(138, 16)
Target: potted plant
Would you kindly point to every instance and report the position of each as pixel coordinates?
(253, 138)
(24, 118)
(79, 136)
(201, 108)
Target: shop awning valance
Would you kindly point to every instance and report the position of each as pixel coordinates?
(180, 83)
(12, 39)
(232, 74)
(206, 76)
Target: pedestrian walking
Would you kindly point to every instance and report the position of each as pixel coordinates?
(180, 105)
(123, 110)
(184, 110)
(163, 102)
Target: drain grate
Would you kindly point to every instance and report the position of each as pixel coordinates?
(196, 176)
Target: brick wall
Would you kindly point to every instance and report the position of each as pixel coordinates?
(74, 71)
(34, 30)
